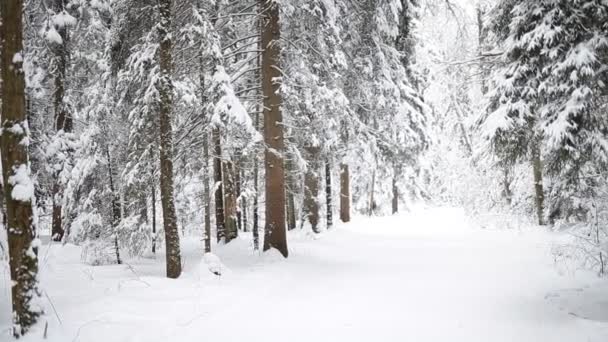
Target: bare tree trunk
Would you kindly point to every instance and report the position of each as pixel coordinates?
(237, 190)
(506, 182)
(344, 193)
(230, 218)
(311, 188)
(206, 194)
(372, 201)
(291, 207)
(220, 228)
(20, 206)
(395, 188)
(174, 264)
(154, 218)
(244, 205)
(291, 210)
(395, 196)
(115, 207)
(328, 199)
(537, 168)
(275, 235)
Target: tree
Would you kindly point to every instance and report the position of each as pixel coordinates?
(275, 232)
(18, 186)
(174, 266)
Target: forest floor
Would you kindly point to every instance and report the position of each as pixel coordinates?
(427, 276)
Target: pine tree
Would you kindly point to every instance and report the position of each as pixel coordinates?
(174, 266)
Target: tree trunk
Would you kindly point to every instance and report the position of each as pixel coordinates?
(275, 235)
(395, 196)
(230, 218)
(217, 178)
(311, 189)
(372, 201)
(115, 207)
(206, 194)
(291, 210)
(291, 207)
(395, 188)
(344, 193)
(506, 182)
(537, 169)
(153, 217)
(63, 118)
(174, 264)
(244, 205)
(237, 190)
(328, 200)
(20, 202)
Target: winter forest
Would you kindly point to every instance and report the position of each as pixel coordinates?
(304, 170)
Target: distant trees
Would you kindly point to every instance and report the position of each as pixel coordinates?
(131, 99)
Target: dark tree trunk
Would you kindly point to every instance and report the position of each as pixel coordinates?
(115, 207)
(275, 235)
(244, 206)
(174, 264)
(154, 238)
(255, 230)
(230, 218)
(237, 191)
(537, 168)
(218, 185)
(344, 193)
(506, 182)
(311, 189)
(23, 260)
(291, 210)
(395, 196)
(291, 207)
(63, 118)
(372, 200)
(328, 199)
(206, 194)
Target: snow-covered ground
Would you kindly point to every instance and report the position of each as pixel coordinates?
(427, 276)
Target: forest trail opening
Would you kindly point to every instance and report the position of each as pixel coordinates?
(427, 276)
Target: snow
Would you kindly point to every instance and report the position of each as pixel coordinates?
(23, 187)
(52, 36)
(428, 276)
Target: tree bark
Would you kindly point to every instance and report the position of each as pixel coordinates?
(275, 235)
(397, 170)
(344, 193)
(311, 189)
(63, 118)
(291, 207)
(115, 207)
(328, 199)
(174, 266)
(236, 173)
(537, 169)
(18, 187)
(244, 205)
(230, 218)
(206, 194)
(220, 228)
(372, 201)
(154, 218)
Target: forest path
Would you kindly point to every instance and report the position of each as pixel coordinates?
(428, 276)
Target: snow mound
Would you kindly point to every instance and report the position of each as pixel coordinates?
(211, 264)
